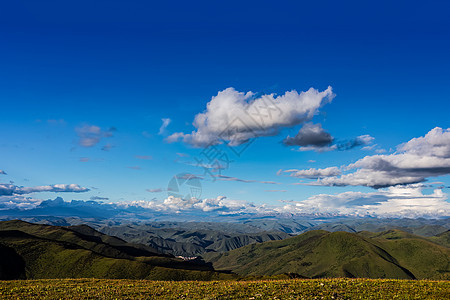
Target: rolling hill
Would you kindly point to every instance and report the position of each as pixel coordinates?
(34, 251)
(320, 254)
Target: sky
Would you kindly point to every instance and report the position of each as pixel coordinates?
(281, 107)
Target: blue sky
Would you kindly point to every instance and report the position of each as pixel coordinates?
(114, 70)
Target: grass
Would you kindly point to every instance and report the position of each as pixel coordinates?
(261, 289)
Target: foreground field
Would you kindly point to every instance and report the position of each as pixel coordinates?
(262, 289)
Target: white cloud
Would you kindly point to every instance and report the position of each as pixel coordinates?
(436, 143)
(399, 201)
(414, 162)
(314, 173)
(12, 190)
(178, 204)
(236, 117)
(165, 123)
(18, 202)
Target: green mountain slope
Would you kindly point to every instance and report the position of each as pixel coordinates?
(422, 257)
(442, 239)
(340, 254)
(56, 252)
(83, 236)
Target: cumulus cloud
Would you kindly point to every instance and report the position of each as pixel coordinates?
(235, 117)
(91, 135)
(18, 202)
(310, 135)
(165, 123)
(398, 201)
(413, 162)
(178, 204)
(11, 189)
(2, 172)
(314, 173)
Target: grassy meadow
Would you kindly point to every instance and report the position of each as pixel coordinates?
(260, 289)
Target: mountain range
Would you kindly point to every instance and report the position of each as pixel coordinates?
(227, 251)
(197, 238)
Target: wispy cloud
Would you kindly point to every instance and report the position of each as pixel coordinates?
(359, 141)
(94, 198)
(165, 123)
(3, 172)
(56, 122)
(188, 176)
(182, 154)
(228, 178)
(134, 167)
(91, 135)
(107, 147)
(147, 134)
(157, 190)
(11, 189)
(215, 167)
(313, 173)
(143, 157)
